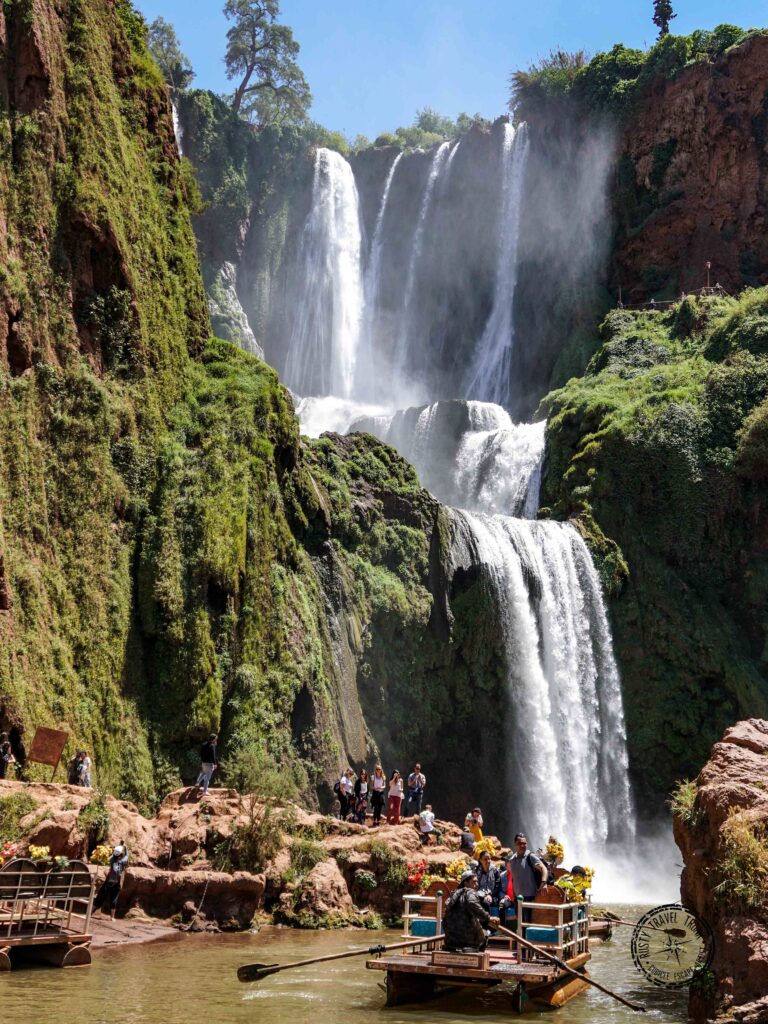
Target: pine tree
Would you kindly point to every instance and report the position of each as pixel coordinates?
(662, 15)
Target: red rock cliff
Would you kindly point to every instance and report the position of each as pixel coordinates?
(693, 179)
(723, 836)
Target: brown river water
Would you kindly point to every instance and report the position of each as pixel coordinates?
(191, 979)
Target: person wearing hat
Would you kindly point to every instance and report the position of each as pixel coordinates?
(109, 893)
(466, 919)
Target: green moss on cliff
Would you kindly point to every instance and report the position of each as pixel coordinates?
(656, 446)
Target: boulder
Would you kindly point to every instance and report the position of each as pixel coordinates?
(325, 891)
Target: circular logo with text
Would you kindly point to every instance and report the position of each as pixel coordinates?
(671, 945)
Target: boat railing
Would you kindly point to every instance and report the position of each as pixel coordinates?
(35, 903)
(561, 928)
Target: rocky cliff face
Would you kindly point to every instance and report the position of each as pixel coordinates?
(172, 556)
(692, 182)
(721, 825)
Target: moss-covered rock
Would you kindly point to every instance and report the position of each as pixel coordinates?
(658, 448)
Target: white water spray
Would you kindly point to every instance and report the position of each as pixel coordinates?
(324, 341)
(490, 373)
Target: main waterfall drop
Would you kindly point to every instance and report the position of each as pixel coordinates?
(567, 771)
(324, 341)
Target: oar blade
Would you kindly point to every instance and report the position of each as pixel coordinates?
(255, 972)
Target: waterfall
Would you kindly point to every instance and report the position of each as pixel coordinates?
(177, 129)
(469, 454)
(567, 767)
(324, 340)
(438, 161)
(368, 376)
(490, 373)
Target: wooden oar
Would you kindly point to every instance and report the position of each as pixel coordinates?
(255, 972)
(676, 933)
(577, 974)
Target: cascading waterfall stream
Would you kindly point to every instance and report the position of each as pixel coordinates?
(567, 767)
(438, 162)
(567, 772)
(324, 341)
(490, 374)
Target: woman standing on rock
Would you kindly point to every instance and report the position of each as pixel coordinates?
(395, 798)
(378, 785)
(361, 796)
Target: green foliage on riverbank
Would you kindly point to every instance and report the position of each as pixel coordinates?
(655, 447)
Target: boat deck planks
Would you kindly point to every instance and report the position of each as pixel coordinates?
(504, 966)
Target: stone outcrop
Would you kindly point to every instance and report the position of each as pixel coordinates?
(723, 835)
(173, 872)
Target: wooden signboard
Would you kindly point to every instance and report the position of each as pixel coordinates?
(469, 961)
(48, 746)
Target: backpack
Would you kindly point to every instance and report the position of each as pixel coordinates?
(337, 787)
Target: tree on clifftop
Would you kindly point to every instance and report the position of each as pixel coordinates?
(262, 55)
(662, 15)
(164, 47)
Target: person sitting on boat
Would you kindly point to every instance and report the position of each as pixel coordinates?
(507, 906)
(466, 918)
(474, 823)
(488, 880)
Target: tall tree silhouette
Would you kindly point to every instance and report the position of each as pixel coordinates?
(662, 15)
(262, 55)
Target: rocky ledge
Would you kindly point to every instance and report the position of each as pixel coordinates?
(721, 827)
(212, 863)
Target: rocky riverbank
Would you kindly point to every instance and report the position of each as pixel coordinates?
(187, 864)
(721, 827)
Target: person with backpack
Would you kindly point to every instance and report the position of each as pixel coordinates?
(109, 893)
(529, 872)
(207, 763)
(466, 919)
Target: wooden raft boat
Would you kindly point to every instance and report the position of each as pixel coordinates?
(422, 973)
(45, 915)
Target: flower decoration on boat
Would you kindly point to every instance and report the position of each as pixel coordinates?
(554, 851)
(100, 855)
(61, 862)
(40, 852)
(456, 868)
(575, 886)
(8, 851)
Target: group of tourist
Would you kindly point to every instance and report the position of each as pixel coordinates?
(79, 773)
(356, 795)
(486, 895)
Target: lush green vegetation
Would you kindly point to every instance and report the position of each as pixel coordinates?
(650, 452)
(13, 808)
(742, 870)
(612, 81)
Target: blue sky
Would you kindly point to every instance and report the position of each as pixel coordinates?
(372, 63)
